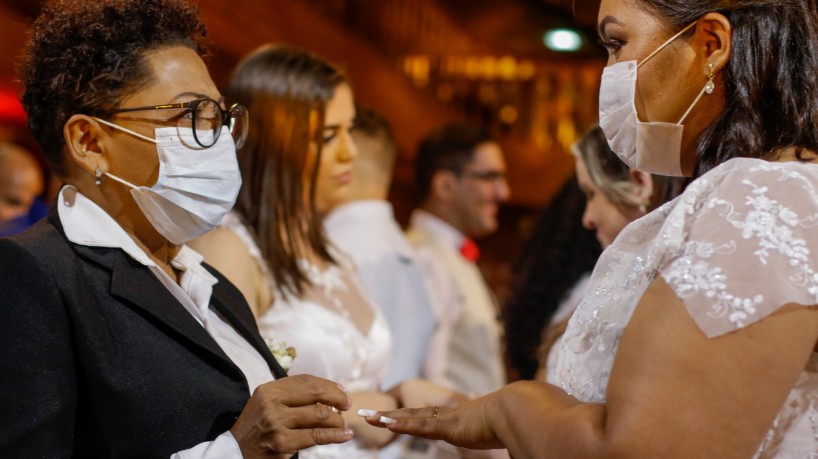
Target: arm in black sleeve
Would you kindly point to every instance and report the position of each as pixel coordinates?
(37, 378)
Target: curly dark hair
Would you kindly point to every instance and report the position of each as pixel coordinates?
(557, 254)
(85, 57)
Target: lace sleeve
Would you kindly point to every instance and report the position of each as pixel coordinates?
(744, 242)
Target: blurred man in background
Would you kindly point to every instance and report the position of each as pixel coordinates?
(460, 174)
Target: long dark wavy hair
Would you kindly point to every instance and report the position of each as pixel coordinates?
(283, 87)
(770, 84)
(557, 254)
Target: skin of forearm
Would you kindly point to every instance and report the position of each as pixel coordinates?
(535, 420)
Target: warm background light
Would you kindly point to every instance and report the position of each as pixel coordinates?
(422, 63)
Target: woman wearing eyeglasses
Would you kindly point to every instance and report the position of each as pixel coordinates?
(117, 341)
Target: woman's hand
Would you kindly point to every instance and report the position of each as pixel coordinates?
(365, 434)
(417, 393)
(467, 425)
(290, 414)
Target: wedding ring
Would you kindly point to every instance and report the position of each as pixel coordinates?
(434, 415)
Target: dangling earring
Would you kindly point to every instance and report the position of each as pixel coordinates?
(98, 177)
(643, 206)
(709, 87)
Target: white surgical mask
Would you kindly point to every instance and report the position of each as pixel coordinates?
(196, 186)
(654, 147)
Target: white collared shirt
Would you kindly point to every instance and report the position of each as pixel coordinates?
(85, 223)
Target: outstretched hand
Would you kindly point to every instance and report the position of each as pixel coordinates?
(290, 414)
(416, 393)
(467, 425)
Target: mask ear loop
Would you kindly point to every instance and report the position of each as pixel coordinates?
(708, 89)
(669, 41)
(122, 181)
(120, 128)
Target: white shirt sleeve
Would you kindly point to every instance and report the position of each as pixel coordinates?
(223, 447)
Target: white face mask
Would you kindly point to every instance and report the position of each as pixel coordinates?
(654, 147)
(196, 186)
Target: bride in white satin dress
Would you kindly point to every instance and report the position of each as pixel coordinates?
(295, 165)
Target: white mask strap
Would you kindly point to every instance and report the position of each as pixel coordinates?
(124, 182)
(701, 93)
(116, 126)
(669, 41)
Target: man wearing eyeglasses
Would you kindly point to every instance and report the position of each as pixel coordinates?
(460, 175)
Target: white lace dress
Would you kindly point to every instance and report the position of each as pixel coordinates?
(328, 343)
(738, 244)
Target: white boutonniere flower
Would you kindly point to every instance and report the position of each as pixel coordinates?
(283, 354)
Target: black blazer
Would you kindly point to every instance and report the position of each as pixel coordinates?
(98, 359)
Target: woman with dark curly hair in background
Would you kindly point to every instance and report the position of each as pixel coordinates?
(555, 259)
(117, 341)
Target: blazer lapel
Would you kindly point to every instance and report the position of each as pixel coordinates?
(137, 286)
(246, 326)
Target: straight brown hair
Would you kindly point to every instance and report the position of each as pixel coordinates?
(284, 88)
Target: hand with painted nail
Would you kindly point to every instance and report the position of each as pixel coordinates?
(291, 414)
(365, 434)
(468, 425)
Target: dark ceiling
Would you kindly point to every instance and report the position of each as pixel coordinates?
(517, 26)
(514, 26)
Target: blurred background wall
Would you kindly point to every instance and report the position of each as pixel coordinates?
(420, 63)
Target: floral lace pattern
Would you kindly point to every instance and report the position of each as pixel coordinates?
(735, 247)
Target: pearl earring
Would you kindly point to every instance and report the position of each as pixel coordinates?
(709, 87)
(643, 206)
(98, 177)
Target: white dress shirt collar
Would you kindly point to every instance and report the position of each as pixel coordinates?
(85, 223)
(437, 227)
